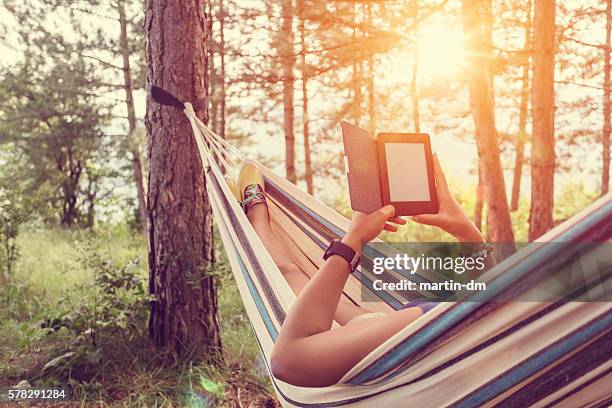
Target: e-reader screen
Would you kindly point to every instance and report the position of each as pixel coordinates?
(407, 172)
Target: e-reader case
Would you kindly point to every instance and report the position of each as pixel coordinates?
(362, 161)
(363, 173)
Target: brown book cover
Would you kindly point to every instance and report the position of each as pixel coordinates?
(363, 173)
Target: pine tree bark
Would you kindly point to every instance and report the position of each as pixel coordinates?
(414, 93)
(184, 310)
(222, 68)
(288, 63)
(370, 81)
(607, 127)
(357, 76)
(543, 114)
(137, 166)
(479, 205)
(414, 90)
(499, 225)
(305, 119)
(212, 70)
(71, 169)
(523, 112)
(371, 97)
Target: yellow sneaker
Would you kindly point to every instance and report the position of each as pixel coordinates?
(234, 187)
(249, 175)
(251, 184)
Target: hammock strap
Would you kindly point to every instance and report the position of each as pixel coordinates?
(206, 139)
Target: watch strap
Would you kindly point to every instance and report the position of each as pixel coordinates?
(336, 247)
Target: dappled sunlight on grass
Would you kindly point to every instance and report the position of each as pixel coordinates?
(53, 275)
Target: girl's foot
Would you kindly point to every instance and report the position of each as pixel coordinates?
(251, 185)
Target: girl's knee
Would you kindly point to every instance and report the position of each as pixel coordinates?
(280, 361)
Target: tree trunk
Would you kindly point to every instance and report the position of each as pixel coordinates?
(222, 68)
(288, 62)
(499, 225)
(543, 114)
(184, 310)
(71, 169)
(414, 91)
(305, 125)
(357, 74)
(212, 71)
(371, 97)
(131, 114)
(607, 127)
(370, 82)
(522, 128)
(90, 199)
(479, 206)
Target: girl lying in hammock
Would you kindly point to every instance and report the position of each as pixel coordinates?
(307, 351)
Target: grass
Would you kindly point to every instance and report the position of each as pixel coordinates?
(50, 277)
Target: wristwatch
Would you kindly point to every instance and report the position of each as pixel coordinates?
(482, 250)
(338, 248)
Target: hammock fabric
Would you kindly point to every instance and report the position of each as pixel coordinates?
(463, 354)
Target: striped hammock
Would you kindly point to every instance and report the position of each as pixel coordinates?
(462, 354)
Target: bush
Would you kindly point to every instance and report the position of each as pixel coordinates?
(100, 315)
(14, 210)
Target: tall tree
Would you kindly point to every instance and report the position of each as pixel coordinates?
(357, 73)
(370, 78)
(543, 117)
(607, 108)
(184, 310)
(125, 45)
(479, 204)
(287, 54)
(521, 136)
(414, 90)
(49, 111)
(305, 119)
(222, 79)
(128, 87)
(474, 12)
(212, 71)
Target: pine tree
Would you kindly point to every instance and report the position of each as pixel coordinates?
(181, 248)
(543, 113)
(287, 55)
(521, 136)
(477, 27)
(607, 104)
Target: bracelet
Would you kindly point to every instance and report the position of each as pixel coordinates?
(483, 251)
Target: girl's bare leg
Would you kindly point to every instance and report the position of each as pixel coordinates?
(297, 280)
(307, 352)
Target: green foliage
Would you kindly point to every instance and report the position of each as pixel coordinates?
(15, 209)
(110, 309)
(74, 286)
(571, 198)
(59, 102)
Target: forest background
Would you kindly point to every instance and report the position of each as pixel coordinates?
(514, 94)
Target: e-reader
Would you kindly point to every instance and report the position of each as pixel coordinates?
(407, 173)
(393, 168)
